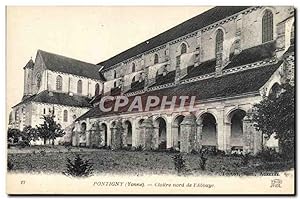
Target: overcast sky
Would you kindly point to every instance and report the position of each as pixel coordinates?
(91, 34)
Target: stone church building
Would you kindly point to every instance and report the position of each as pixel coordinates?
(229, 58)
(58, 85)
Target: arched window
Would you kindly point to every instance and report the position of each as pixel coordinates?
(115, 74)
(155, 58)
(183, 48)
(219, 41)
(59, 83)
(97, 89)
(133, 67)
(38, 81)
(79, 87)
(115, 84)
(292, 34)
(16, 115)
(65, 115)
(133, 79)
(267, 26)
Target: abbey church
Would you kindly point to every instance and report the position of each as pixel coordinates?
(228, 58)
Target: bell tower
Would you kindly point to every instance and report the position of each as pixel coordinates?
(28, 71)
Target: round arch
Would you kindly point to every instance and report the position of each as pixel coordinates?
(208, 123)
(176, 130)
(104, 132)
(128, 131)
(178, 51)
(235, 117)
(161, 124)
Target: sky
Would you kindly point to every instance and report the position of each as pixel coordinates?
(90, 34)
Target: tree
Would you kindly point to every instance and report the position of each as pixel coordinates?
(275, 114)
(79, 167)
(50, 129)
(13, 135)
(29, 134)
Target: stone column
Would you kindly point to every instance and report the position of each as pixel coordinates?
(134, 133)
(251, 137)
(87, 133)
(148, 133)
(156, 137)
(75, 134)
(220, 129)
(188, 133)
(169, 136)
(199, 137)
(109, 138)
(175, 134)
(227, 135)
(124, 136)
(116, 133)
(95, 137)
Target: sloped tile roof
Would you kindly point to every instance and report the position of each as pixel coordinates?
(58, 98)
(209, 17)
(224, 86)
(251, 55)
(136, 86)
(204, 68)
(161, 80)
(58, 63)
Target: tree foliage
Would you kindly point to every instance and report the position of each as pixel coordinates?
(13, 135)
(275, 114)
(49, 129)
(79, 167)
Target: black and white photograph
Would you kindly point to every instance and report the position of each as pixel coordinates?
(150, 100)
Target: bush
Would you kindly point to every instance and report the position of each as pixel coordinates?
(67, 144)
(179, 163)
(10, 165)
(23, 144)
(140, 148)
(268, 154)
(79, 167)
(245, 158)
(194, 152)
(202, 161)
(43, 153)
(172, 150)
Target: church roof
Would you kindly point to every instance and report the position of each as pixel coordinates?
(253, 54)
(229, 85)
(57, 98)
(30, 64)
(200, 21)
(58, 63)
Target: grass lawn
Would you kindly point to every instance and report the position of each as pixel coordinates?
(53, 160)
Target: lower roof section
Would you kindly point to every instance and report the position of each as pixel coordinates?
(57, 98)
(229, 85)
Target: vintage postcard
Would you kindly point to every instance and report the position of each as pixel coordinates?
(151, 100)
